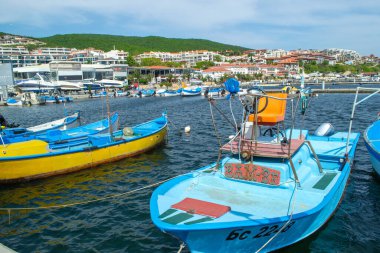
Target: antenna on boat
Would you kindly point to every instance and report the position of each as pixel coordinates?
(303, 78)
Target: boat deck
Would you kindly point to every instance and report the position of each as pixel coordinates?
(238, 201)
(264, 149)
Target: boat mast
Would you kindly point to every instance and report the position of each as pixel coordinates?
(109, 115)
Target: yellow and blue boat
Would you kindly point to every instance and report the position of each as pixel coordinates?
(34, 159)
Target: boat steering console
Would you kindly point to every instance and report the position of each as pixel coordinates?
(251, 100)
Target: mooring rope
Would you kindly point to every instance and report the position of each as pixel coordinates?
(171, 122)
(10, 209)
(181, 247)
(215, 129)
(286, 223)
(233, 116)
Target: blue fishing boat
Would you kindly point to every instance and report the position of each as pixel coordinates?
(191, 91)
(34, 159)
(372, 133)
(372, 142)
(12, 102)
(147, 93)
(171, 93)
(59, 138)
(216, 93)
(56, 124)
(274, 187)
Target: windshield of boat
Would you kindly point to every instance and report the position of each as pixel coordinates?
(41, 77)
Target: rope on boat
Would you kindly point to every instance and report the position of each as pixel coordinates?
(212, 102)
(181, 247)
(215, 129)
(233, 116)
(171, 122)
(286, 223)
(10, 209)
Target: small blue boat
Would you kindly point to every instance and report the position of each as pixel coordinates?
(171, 93)
(372, 142)
(147, 93)
(274, 188)
(56, 124)
(58, 138)
(216, 93)
(372, 133)
(12, 102)
(191, 91)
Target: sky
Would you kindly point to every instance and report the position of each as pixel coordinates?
(255, 24)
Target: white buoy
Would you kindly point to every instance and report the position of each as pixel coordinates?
(187, 129)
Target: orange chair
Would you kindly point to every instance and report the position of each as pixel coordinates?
(273, 113)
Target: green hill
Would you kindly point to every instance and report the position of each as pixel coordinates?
(134, 45)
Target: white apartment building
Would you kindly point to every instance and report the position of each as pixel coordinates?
(13, 50)
(53, 50)
(275, 53)
(189, 57)
(116, 54)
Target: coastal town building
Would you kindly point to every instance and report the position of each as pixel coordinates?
(245, 69)
(344, 55)
(96, 64)
(189, 58)
(20, 56)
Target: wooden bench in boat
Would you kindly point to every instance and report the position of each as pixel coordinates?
(264, 149)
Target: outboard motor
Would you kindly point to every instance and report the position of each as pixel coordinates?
(325, 129)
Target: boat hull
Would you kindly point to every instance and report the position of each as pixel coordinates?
(372, 143)
(170, 94)
(250, 238)
(18, 103)
(24, 168)
(191, 92)
(246, 230)
(187, 94)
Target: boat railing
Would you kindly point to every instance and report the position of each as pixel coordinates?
(356, 103)
(250, 147)
(293, 110)
(2, 141)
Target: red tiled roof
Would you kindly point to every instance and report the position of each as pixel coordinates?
(157, 67)
(216, 69)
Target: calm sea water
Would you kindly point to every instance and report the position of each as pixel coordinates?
(123, 224)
